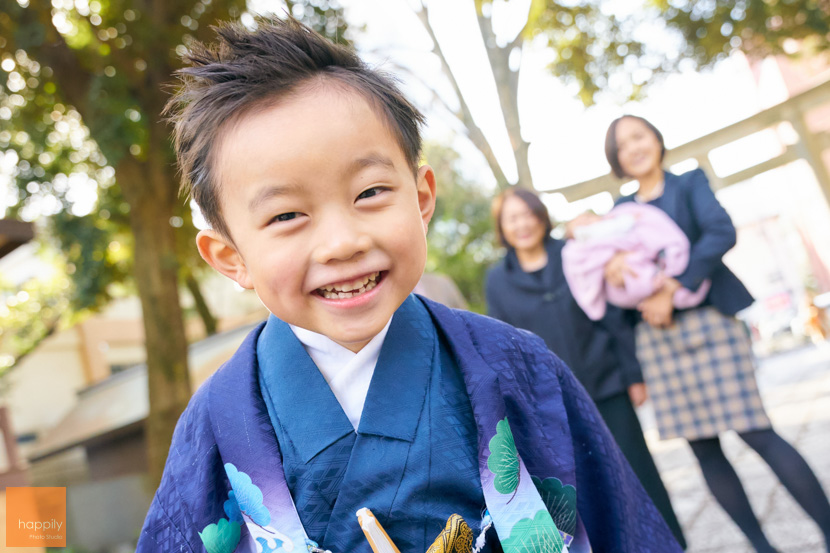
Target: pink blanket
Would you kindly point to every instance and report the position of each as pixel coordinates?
(658, 249)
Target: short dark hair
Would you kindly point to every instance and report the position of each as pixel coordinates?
(612, 150)
(250, 69)
(531, 199)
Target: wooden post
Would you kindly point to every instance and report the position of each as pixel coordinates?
(9, 440)
(714, 180)
(809, 148)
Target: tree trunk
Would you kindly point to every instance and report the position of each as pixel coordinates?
(150, 193)
(201, 305)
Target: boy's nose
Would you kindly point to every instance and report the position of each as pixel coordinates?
(340, 243)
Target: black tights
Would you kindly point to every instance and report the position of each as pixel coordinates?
(785, 462)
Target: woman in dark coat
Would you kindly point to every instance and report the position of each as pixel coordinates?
(527, 289)
(698, 362)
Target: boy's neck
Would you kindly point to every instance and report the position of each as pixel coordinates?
(308, 336)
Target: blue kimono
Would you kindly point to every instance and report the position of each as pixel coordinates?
(245, 470)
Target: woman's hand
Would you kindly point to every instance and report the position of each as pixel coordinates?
(657, 309)
(616, 269)
(638, 394)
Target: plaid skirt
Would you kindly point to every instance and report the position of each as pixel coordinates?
(700, 375)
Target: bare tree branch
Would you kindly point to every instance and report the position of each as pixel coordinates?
(507, 86)
(474, 133)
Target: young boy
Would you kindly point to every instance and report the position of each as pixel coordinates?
(356, 393)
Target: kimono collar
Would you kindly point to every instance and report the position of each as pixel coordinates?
(295, 386)
(399, 384)
(347, 373)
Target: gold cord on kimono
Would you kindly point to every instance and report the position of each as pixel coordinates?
(456, 537)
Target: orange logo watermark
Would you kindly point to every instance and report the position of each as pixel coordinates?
(35, 517)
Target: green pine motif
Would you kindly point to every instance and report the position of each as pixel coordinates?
(560, 499)
(504, 459)
(222, 537)
(536, 535)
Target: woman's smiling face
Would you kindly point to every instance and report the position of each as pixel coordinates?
(639, 151)
(520, 226)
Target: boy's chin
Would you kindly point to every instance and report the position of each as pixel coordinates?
(355, 343)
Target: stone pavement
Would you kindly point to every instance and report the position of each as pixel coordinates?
(796, 390)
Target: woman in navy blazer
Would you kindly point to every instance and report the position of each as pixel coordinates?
(697, 363)
(527, 289)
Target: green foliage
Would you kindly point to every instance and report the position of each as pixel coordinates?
(58, 173)
(324, 16)
(714, 29)
(602, 51)
(461, 237)
(594, 49)
(31, 312)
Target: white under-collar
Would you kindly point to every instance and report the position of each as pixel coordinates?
(347, 373)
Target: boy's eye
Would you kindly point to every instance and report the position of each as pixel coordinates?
(374, 191)
(282, 217)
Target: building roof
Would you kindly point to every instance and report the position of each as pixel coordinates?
(14, 234)
(120, 403)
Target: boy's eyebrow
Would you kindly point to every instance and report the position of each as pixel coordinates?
(369, 161)
(284, 189)
(270, 192)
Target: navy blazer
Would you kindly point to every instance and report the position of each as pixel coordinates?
(690, 202)
(600, 353)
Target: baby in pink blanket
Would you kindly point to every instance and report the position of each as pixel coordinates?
(657, 249)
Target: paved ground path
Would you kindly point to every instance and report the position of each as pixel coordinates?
(796, 391)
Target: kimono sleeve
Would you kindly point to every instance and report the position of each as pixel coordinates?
(160, 532)
(182, 505)
(615, 509)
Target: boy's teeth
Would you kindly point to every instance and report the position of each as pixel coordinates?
(350, 289)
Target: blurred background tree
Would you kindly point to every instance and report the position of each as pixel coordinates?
(32, 312)
(83, 88)
(759, 28)
(461, 240)
(591, 43)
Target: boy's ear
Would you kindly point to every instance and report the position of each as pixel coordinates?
(222, 255)
(426, 193)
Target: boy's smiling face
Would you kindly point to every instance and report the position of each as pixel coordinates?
(327, 219)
